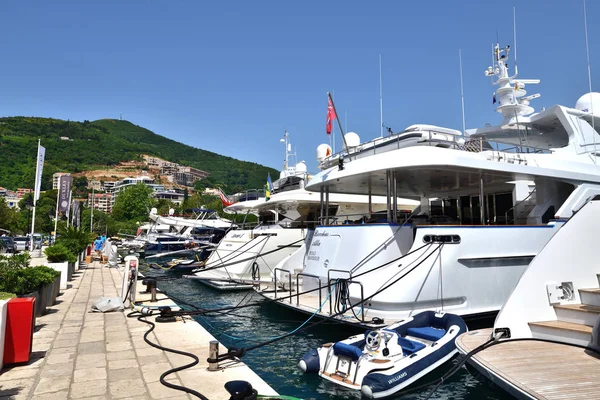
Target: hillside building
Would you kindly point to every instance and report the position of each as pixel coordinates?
(21, 192)
(56, 177)
(101, 201)
(170, 195)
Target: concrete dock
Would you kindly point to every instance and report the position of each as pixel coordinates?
(81, 354)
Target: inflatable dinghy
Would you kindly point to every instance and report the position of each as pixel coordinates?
(381, 363)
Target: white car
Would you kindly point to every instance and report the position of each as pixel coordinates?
(21, 243)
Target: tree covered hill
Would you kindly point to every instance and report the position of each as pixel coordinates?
(105, 142)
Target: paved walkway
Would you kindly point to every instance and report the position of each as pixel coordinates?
(79, 354)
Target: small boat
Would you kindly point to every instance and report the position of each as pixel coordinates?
(382, 362)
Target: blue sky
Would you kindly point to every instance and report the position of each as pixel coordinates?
(230, 76)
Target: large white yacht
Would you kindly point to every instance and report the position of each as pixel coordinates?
(247, 257)
(552, 314)
(490, 199)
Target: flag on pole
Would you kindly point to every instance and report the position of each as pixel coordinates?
(75, 217)
(38, 172)
(64, 193)
(268, 187)
(330, 116)
(224, 199)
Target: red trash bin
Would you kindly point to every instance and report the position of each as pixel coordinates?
(88, 250)
(20, 323)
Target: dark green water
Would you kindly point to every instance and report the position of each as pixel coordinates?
(277, 363)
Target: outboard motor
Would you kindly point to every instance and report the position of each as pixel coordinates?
(310, 362)
(240, 390)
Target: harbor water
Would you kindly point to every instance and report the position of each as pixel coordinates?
(277, 363)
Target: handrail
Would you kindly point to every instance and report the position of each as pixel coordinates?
(289, 279)
(519, 203)
(349, 282)
(298, 286)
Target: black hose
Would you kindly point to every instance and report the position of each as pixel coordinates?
(172, 370)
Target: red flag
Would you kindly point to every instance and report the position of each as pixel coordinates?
(224, 199)
(330, 117)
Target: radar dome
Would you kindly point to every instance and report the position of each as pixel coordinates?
(352, 139)
(171, 211)
(153, 211)
(301, 168)
(323, 151)
(282, 174)
(589, 102)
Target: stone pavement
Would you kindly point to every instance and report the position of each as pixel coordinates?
(79, 354)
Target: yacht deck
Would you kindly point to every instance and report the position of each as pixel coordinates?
(309, 304)
(531, 369)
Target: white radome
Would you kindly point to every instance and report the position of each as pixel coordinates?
(589, 102)
(301, 167)
(323, 151)
(352, 139)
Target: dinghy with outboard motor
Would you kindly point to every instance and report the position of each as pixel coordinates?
(382, 362)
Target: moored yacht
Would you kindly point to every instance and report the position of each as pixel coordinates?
(248, 257)
(552, 314)
(490, 199)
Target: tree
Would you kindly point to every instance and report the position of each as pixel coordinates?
(8, 216)
(133, 203)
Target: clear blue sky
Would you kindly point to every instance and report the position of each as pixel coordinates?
(231, 76)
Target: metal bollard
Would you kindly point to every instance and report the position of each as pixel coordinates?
(213, 353)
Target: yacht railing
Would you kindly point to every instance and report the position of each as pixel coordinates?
(318, 278)
(518, 204)
(431, 138)
(289, 281)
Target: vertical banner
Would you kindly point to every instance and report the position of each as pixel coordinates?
(64, 193)
(75, 221)
(38, 172)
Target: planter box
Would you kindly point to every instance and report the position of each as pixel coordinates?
(70, 270)
(55, 289)
(3, 307)
(52, 292)
(40, 301)
(64, 272)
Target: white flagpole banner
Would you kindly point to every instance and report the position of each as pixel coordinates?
(38, 172)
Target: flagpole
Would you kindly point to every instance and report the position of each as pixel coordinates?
(69, 208)
(338, 121)
(56, 216)
(92, 211)
(31, 244)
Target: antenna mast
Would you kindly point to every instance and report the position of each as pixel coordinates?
(589, 68)
(515, 38)
(380, 101)
(462, 92)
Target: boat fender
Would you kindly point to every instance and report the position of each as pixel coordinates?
(310, 362)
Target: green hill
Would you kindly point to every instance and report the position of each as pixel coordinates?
(105, 142)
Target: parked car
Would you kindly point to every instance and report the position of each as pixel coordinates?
(7, 245)
(37, 241)
(21, 243)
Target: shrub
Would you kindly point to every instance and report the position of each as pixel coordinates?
(57, 253)
(6, 296)
(27, 280)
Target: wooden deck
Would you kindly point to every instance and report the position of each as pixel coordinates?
(536, 369)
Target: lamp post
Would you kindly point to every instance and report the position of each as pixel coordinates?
(29, 206)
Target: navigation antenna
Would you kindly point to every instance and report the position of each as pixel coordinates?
(462, 92)
(589, 68)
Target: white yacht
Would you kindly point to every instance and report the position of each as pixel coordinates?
(552, 314)
(247, 257)
(489, 201)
